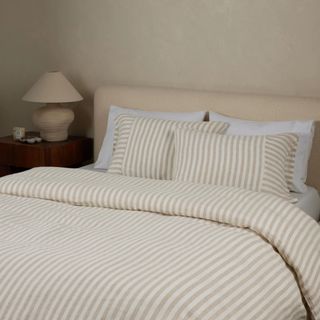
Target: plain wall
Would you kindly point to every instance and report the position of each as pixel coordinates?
(23, 56)
(252, 46)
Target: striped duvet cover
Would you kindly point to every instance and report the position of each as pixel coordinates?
(78, 245)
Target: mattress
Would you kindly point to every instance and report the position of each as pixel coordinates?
(309, 201)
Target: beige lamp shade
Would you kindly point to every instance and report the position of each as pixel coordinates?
(52, 87)
(53, 119)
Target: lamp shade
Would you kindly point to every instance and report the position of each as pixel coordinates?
(52, 87)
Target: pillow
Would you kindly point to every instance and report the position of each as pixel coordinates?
(105, 154)
(145, 146)
(299, 162)
(251, 162)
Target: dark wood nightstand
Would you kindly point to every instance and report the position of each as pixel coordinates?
(16, 156)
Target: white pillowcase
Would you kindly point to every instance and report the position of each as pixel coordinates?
(303, 129)
(105, 154)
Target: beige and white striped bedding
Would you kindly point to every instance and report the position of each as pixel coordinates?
(145, 147)
(253, 162)
(79, 245)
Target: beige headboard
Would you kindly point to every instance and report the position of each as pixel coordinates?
(252, 107)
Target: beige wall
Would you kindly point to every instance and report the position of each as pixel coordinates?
(260, 46)
(23, 56)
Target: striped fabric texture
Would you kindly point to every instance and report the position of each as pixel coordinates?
(145, 146)
(256, 163)
(81, 245)
(289, 167)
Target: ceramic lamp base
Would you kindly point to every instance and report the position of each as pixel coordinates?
(53, 121)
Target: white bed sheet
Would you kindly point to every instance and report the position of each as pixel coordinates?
(309, 201)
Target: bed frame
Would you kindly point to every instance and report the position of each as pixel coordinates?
(245, 106)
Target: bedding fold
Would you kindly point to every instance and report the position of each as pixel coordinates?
(294, 235)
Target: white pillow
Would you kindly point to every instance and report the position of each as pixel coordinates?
(105, 154)
(303, 129)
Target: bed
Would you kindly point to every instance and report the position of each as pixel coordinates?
(84, 244)
(308, 201)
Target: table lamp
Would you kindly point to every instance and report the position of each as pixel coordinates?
(53, 120)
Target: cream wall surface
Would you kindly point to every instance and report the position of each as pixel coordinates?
(23, 56)
(252, 46)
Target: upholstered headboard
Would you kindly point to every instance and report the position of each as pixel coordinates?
(245, 106)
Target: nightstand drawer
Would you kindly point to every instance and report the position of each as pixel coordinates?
(6, 154)
(71, 155)
(16, 156)
(28, 156)
(4, 170)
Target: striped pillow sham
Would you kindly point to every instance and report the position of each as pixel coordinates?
(298, 163)
(145, 146)
(256, 163)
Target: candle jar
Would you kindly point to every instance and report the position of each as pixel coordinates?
(18, 133)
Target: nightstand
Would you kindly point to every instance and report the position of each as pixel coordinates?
(16, 156)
